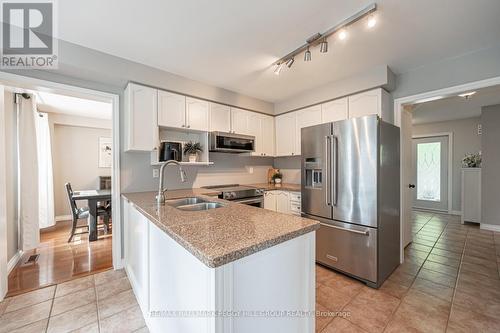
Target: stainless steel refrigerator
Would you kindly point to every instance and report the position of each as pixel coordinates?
(350, 183)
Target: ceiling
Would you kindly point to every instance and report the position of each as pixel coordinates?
(455, 107)
(74, 106)
(231, 44)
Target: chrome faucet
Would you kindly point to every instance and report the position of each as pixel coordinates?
(160, 197)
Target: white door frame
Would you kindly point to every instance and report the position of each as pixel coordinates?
(450, 161)
(25, 82)
(445, 92)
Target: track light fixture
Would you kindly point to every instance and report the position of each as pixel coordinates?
(321, 38)
(323, 46)
(307, 55)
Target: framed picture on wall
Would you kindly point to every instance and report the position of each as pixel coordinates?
(105, 152)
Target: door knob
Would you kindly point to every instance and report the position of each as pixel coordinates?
(411, 185)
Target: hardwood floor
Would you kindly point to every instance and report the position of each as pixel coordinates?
(60, 261)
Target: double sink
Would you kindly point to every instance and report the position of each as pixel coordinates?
(193, 204)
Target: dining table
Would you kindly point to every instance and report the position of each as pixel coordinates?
(93, 197)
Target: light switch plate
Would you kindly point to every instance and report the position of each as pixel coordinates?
(156, 173)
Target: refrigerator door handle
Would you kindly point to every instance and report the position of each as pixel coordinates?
(328, 145)
(335, 164)
(365, 233)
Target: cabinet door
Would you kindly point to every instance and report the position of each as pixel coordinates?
(239, 121)
(255, 129)
(220, 117)
(171, 110)
(141, 118)
(267, 126)
(306, 117)
(334, 111)
(196, 114)
(270, 200)
(283, 202)
(285, 134)
(365, 104)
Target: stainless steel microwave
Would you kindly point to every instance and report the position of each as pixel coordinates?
(231, 142)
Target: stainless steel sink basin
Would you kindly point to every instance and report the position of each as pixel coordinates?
(184, 201)
(201, 206)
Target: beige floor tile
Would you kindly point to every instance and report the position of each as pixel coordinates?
(464, 320)
(91, 328)
(446, 253)
(480, 269)
(31, 298)
(114, 287)
(437, 277)
(36, 327)
(434, 289)
(486, 306)
(15, 319)
(116, 303)
(109, 276)
(74, 319)
(371, 309)
(479, 253)
(416, 253)
(323, 317)
(402, 278)
(3, 305)
(345, 285)
(330, 298)
(409, 267)
(323, 274)
(75, 285)
(444, 260)
(437, 267)
(125, 321)
(73, 301)
(394, 289)
(419, 312)
(422, 241)
(420, 247)
(142, 330)
(342, 325)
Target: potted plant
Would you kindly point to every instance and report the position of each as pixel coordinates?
(277, 177)
(472, 160)
(192, 149)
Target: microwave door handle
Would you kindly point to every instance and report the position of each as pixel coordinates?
(335, 163)
(327, 186)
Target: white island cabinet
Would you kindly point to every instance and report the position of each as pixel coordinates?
(177, 292)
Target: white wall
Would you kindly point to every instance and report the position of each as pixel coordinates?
(76, 160)
(490, 181)
(465, 140)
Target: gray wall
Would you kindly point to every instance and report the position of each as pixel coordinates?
(75, 159)
(11, 170)
(465, 140)
(490, 181)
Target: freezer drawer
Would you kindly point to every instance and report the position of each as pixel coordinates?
(348, 248)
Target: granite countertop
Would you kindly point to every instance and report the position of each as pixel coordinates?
(282, 187)
(222, 235)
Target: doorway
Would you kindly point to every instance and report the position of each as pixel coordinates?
(431, 170)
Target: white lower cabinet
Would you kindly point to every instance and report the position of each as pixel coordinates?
(282, 201)
(178, 293)
(471, 195)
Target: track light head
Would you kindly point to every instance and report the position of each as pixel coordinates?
(290, 62)
(342, 34)
(307, 55)
(278, 68)
(323, 46)
(371, 22)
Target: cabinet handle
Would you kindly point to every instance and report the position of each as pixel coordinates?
(188, 126)
(183, 125)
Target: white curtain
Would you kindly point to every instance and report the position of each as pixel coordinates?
(45, 177)
(29, 233)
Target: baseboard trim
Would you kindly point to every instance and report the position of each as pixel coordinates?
(63, 218)
(456, 212)
(14, 260)
(490, 227)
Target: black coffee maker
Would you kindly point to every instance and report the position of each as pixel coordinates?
(170, 151)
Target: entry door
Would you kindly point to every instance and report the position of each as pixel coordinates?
(430, 158)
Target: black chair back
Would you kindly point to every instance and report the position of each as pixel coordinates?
(72, 202)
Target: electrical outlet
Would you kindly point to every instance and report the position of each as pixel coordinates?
(250, 170)
(156, 173)
(479, 129)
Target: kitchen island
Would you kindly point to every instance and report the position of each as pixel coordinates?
(235, 268)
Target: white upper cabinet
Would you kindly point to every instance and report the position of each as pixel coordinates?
(239, 121)
(171, 109)
(267, 123)
(197, 114)
(141, 118)
(220, 117)
(334, 110)
(285, 134)
(377, 101)
(306, 117)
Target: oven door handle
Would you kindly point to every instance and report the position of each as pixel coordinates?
(249, 201)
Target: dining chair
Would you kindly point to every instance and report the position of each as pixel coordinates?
(82, 213)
